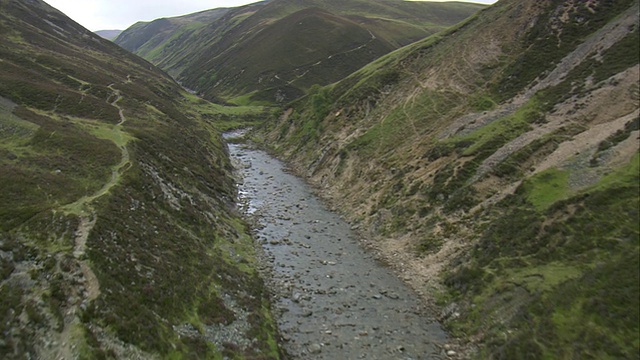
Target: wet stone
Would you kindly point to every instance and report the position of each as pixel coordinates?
(315, 348)
(334, 300)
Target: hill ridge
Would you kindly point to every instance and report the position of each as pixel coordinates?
(207, 66)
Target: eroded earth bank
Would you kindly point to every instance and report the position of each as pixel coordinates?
(334, 301)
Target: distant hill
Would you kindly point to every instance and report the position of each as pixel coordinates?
(144, 37)
(275, 51)
(108, 34)
(116, 206)
(496, 167)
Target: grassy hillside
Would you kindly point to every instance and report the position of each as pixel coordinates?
(290, 65)
(496, 165)
(118, 236)
(275, 51)
(143, 38)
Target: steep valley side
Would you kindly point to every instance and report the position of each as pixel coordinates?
(119, 236)
(496, 171)
(493, 166)
(273, 52)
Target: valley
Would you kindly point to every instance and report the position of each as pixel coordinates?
(274, 52)
(413, 180)
(333, 299)
(486, 168)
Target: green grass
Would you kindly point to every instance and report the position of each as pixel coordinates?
(601, 315)
(209, 108)
(545, 277)
(503, 130)
(482, 102)
(241, 253)
(228, 117)
(404, 122)
(625, 176)
(246, 100)
(188, 273)
(111, 133)
(502, 288)
(546, 188)
(550, 269)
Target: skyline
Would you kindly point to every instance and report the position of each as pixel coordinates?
(120, 14)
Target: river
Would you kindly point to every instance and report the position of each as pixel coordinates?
(333, 299)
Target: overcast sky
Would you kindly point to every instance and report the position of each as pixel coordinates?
(120, 14)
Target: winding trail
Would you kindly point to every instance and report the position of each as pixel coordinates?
(119, 138)
(83, 208)
(66, 347)
(333, 299)
(309, 67)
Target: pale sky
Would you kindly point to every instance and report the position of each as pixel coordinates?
(120, 14)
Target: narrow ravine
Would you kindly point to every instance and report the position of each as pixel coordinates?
(333, 300)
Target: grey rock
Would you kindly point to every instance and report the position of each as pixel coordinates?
(393, 296)
(297, 297)
(315, 348)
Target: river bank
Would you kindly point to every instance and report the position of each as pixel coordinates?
(332, 298)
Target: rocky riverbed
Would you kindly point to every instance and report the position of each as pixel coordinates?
(333, 299)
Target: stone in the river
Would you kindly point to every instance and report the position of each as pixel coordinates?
(393, 296)
(315, 348)
(297, 297)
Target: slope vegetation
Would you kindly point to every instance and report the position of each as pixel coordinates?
(495, 166)
(274, 51)
(143, 38)
(118, 237)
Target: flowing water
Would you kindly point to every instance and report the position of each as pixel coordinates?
(333, 300)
